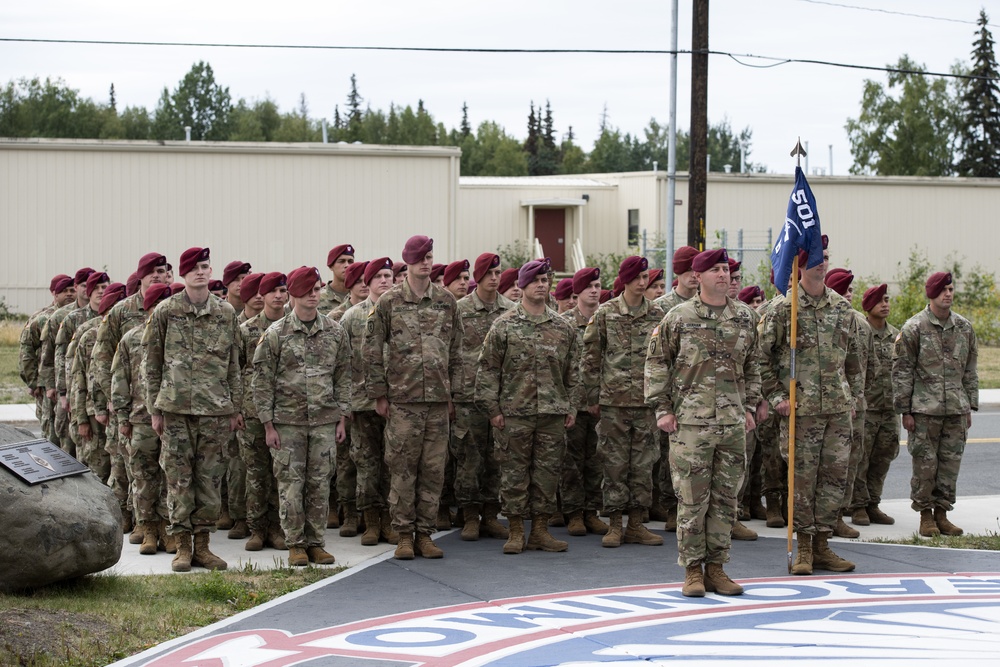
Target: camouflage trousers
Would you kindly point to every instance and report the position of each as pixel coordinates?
(707, 464)
(857, 451)
(150, 498)
(120, 477)
(47, 420)
(822, 453)
(236, 480)
(60, 425)
(582, 470)
(881, 448)
(91, 451)
(346, 473)
(477, 474)
(302, 473)
(661, 472)
(627, 446)
(192, 458)
(753, 485)
(936, 446)
(261, 488)
(529, 451)
(416, 451)
(751, 450)
(771, 436)
(368, 454)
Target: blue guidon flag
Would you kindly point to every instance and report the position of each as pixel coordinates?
(800, 232)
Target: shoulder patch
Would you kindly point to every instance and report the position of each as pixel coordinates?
(656, 331)
(591, 320)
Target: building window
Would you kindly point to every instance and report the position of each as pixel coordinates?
(633, 226)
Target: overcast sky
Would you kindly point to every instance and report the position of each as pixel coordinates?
(778, 103)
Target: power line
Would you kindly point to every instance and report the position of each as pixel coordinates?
(897, 13)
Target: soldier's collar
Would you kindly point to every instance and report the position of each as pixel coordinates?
(297, 324)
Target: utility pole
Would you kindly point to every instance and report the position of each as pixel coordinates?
(698, 167)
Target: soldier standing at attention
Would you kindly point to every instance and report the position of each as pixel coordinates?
(232, 278)
(936, 389)
(301, 390)
(528, 370)
(735, 278)
(508, 285)
(335, 292)
(703, 381)
(563, 294)
(456, 278)
(398, 272)
(193, 392)
(253, 300)
(357, 290)
(413, 365)
(657, 286)
(614, 354)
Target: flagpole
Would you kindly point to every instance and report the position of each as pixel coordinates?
(798, 152)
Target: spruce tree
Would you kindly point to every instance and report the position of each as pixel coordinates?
(979, 118)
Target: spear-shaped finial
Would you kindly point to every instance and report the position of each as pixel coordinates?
(798, 152)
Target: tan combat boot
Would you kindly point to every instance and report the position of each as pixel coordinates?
(575, 526)
(333, 517)
(203, 557)
(539, 539)
(740, 532)
(825, 559)
(319, 555)
(946, 527)
(443, 517)
(150, 538)
(372, 528)
(385, 531)
(239, 530)
(878, 516)
(557, 520)
(804, 557)
(757, 510)
(182, 560)
(404, 547)
(670, 525)
(425, 547)
(928, 526)
(636, 533)
(256, 541)
(613, 538)
(225, 521)
(594, 524)
(297, 557)
(843, 530)
(515, 540)
(470, 529)
(489, 526)
(859, 517)
(717, 581)
(167, 541)
(694, 582)
(275, 537)
(772, 511)
(137, 534)
(350, 526)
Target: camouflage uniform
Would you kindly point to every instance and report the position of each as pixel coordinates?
(661, 471)
(193, 380)
(702, 368)
(30, 344)
(301, 384)
(329, 299)
(869, 370)
(47, 376)
(92, 451)
(935, 380)
(345, 472)
(582, 470)
(774, 468)
(614, 352)
(528, 371)
(829, 376)
(412, 354)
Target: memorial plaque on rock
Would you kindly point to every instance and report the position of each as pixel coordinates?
(36, 461)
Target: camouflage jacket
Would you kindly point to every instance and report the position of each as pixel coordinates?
(529, 365)
(878, 392)
(934, 366)
(338, 311)
(330, 298)
(477, 318)
(702, 367)
(355, 321)
(413, 347)
(765, 388)
(47, 356)
(192, 364)
(867, 357)
(614, 353)
(669, 300)
(63, 360)
(30, 346)
(124, 315)
(302, 375)
(251, 332)
(128, 389)
(579, 322)
(828, 366)
(81, 398)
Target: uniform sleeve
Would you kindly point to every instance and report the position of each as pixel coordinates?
(78, 383)
(970, 379)
(63, 338)
(571, 369)
(121, 383)
(852, 364)
(376, 333)
(46, 358)
(235, 372)
(751, 373)
(490, 368)
(658, 372)
(265, 371)
(772, 339)
(874, 366)
(342, 374)
(108, 335)
(592, 356)
(27, 358)
(154, 339)
(904, 361)
(455, 361)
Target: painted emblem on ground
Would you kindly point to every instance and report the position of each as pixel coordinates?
(879, 619)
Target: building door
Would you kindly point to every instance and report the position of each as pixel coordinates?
(550, 230)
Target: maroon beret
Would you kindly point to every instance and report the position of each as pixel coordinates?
(416, 249)
(155, 294)
(249, 285)
(507, 279)
(618, 287)
(397, 268)
(217, 286)
(564, 289)
(148, 262)
(60, 282)
(437, 271)
(674, 283)
(485, 262)
(683, 257)
(706, 259)
(190, 259)
(631, 267)
(112, 295)
(302, 280)
(873, 296)
(527, 273)
(605, 296)
(839, 280)
(748, 294)
(583, 278)
(96, 279)
(654, 275)
(734, 265)
(177, 288)
(271, 281)
(804, 254)
(132, 284)
(233, 271)
(337, 251)
(454, 270)
(935, 284)
(354, 273)
(81, 276)
(375, 266)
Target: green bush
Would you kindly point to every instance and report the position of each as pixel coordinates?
(514, 255)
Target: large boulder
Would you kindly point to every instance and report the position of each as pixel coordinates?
(55, 530)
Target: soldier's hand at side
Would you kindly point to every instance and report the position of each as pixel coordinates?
(126, 430)
(51, 393)
(751, 424)
(36, 392)
(784, 408)
(102, 419)
(158, 424)
(382, 407)
(497, 422)
(84, 430)
(854, 413)
(271, 437)
(451, 411)
(667, 423)
(909, 424)
(341, 431)
(595, 410)
(761, 413)
(64, 402)
(236, 422)
(570, 420)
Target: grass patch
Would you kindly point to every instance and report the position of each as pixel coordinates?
(988, 542)
(99, 619)
(989, 368)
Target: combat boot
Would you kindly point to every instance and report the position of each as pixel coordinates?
(203, 557)
(239, 530)
(256, 541)
(928, 526)
(636, 533)
(150, 538)
(426, 548)
(297, 557)
(182, 560)
(320, 556)
(772, 511)
(470, 529)
(137, 534)
(717, 581)
(946, 527)
(372, 528)
(825, 559)
(575, 526)
(670, 525)
(489, 526)
(167, 541)
(843, 530)
(443, 517)
(539, 539)
(742, 513)
(878, 516)
(594, 524)
(275, 537)
(613, 538)
(657, 512)
(859, 517)
(350, 526)
(404, 547)
(804, 556)
(515, 540)
(385, 530)
(757, 510)
(225, 522)
(128, 525)
(333, 517)
(694, 582)
(740, 532)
